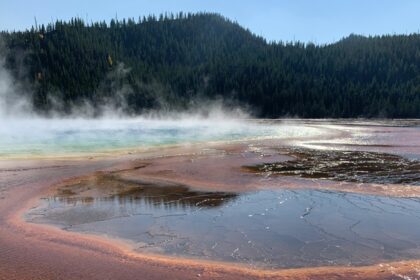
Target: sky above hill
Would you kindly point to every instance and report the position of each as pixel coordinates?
(320, 21)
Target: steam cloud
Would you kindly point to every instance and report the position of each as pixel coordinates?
(12, 100)
(23, 132)
(15, 102)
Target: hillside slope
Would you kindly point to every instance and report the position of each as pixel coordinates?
(169, 61)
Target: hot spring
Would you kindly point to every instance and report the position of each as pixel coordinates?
(64, 137)
(269, 194)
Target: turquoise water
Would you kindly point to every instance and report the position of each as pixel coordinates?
(74, 136)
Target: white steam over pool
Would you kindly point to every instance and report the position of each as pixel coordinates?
(23, 137)
(23, 133)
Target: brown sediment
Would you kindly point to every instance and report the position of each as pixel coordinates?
(234, 171)
(346, 166)
(33, 251)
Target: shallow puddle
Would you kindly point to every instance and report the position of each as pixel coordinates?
(267, 228)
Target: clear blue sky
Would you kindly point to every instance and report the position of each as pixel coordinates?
(319, 21)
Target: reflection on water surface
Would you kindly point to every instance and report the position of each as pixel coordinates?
(116, 190)
(270, 228)
(267, 228)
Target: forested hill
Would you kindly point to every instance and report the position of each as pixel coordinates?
(167, 61)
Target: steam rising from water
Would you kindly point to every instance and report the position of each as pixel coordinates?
(16, 100)
(24, 133)
(58, 137)
(12, 102)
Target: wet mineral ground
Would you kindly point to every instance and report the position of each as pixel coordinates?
(262, 228)
(347, 166)
(311, 199)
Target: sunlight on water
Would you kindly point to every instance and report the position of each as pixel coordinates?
(269, 228)
(49, 137)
